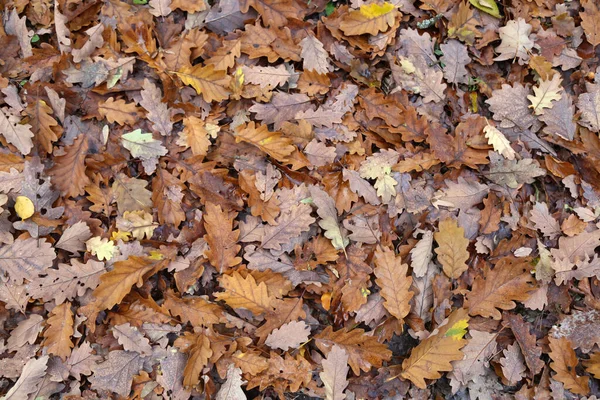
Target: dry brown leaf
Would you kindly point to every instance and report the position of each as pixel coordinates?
(509, 281)
(452, 250)
(563, 363)
(434, 355)
(394, 284)
(221, 238)
(57, 336)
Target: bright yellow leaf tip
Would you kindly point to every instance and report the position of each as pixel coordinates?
(24, 207)
(375, 10)
(458, 330)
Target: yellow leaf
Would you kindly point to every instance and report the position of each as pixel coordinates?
(375, 10)
(120, 235)
(24, 207)
(458, 330)
(104, 249)
(156, 255)
(372, 19)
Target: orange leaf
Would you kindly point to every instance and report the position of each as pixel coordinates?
(221, 238)
(57, 337)
(563, 363)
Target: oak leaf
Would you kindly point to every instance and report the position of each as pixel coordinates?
(19, 135)
(131, 194)
(132, 339)
(207, 81)
(329, 219)
(421, 254)
(314, 56)
(266, 77)
(510, 106)
(139, 223)
(462, 194)
(513, 173)
(455, 58)
(513, 365)
(57, 336)
(197, 346)
(477, 353)
(68, 173)
(394, 284)
(563, 363)
(193, 309)
(158, 112)
(592, 365)
(364, 352)
(231, 389)
(452, 250)
(46, 129)
(167, 193)
(500, 143)
(544, 221)
(335, 372)
(67, 282)
(589, 106)
(436, 353)
(74, 237)
(275, 12)
(589, 22)
(245, 293)
(26, 331)
(30, 378)
(116, 373)
(116, 284)
(26, 258)
(118, 111)
(288, 226)
(272, 143)
(144, 147)
(509, 281)
(527, 342)
(545, 94)
(372, 19)
(288, 336)
(515, 41)
(221, 238)
(102, 248)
